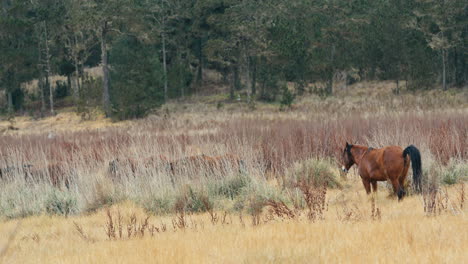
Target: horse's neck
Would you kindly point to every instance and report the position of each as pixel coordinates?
(358, 152)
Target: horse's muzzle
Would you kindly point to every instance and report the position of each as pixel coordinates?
(344, 169)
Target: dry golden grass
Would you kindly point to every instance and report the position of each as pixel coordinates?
(65, 120)
(369, 97)
(351, 228)
(403, 234)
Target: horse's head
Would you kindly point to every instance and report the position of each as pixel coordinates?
(347, 158)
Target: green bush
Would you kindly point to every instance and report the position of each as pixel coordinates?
(91, 91)
(230, 187)
(61, 89)
(21, 201)
(453, 173)
(255, 194)
(287, 98)
(103, 197)
(193, 201)
(61, 203)
(317, 172)
(159, 205)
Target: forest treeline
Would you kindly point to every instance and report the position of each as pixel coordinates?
(154, 50)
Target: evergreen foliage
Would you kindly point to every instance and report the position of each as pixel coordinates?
(157, 49)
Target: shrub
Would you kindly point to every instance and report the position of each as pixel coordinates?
(231, 187)
(287, 98)
(159, 205)
(453, 173)
(61, 89)
(21, 201)
(315, 172)
(254, 194)
(61, 203)
(104, 195)
(91, 91)
(192, 201)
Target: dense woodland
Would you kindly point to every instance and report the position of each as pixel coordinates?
(151, 51)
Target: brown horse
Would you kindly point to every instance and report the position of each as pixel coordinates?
(386, 164)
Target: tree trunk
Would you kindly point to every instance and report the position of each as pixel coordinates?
(232, 86)
(181, 72)
(10, 102)
(262, 81)
(47, 87)
(330, 85)
(41, 90)
(263, 90)
(254, 75)
(47, 54)
(406, 82)
(105, 71)
(346, 80)
(225, 76)
(164, 64)
(237, 84)
(76, 90)
(68, 84)
(397, 91)
(332, 71)
(200, 62)
(40, 82)
(444, 84)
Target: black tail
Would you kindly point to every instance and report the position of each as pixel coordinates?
(415, 157)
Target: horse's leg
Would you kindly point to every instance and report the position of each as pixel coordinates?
(397, 188)
(402, 178)
(374, 186)
(366, 183)
(401, 182)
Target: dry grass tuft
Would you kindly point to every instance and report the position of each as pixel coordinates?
(376, 213)
(462, 195)
(281, 210)
(315, 198)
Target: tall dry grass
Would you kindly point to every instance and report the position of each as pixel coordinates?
(351, 228)
(233, 186)
(45, 172)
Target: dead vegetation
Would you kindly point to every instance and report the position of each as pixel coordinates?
(230, 182)
(154, 162)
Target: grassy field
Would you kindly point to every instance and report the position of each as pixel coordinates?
(235, 182)
(348, 233)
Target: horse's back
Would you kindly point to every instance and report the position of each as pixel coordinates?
(393, 160)
(392, 153)
(372, 165)
(380, 163)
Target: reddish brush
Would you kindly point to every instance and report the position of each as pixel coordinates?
(376, 214)
(205, 164)
(435, 201)
(180, 222)
(110, 228)
(58, 174)
(462, 195)
(280, 209)
(315, 198)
